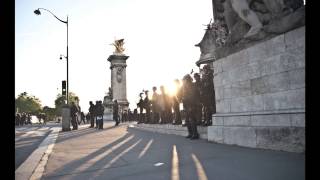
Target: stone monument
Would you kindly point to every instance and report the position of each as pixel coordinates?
(118, 75)
(107, 103)
(257, 51)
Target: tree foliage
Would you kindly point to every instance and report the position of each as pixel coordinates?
(27, 103)
(60, 101)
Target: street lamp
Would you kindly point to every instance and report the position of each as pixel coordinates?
(37, 12)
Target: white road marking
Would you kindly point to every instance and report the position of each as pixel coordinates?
(33, 167)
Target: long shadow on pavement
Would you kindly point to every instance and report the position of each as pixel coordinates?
(136, 157)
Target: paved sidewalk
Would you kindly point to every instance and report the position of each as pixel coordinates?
(127, 153)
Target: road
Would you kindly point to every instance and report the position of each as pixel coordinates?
(124, 152)
(28, 138)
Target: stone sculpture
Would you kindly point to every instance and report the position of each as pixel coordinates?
(118, 44)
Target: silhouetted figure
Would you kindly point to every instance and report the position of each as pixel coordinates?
(91, 113)
(17, 119)
(116, 112)
(83, 118)
(74, 111)
(199, 88)
(29, 119)
(23, 119)
(146, 105)
(208, 95)
(176, 99)
(95, 113)
(44, 117)
(39, 117)
(124, 117)
(99, 114)
(190, 99)
(165, 104)
(88, 117)
(155, 106)
(140, 105)
(135, 114)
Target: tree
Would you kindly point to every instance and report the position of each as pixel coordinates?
(27, 103)
(49, 112)
(60, 101)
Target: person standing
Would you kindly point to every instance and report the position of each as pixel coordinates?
(140, 105)
(91, 112)
(95, 113)
(176, 99)
(116, 112)
(74, 111)
(190, 99)
(99, 114)
(83, 118)
(198, 85)
(208, 95)
(155, 106)
(146, 103)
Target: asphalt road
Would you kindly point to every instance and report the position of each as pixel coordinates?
(125, 153)
(27, 139)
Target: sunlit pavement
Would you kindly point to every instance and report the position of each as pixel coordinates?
(127, 153)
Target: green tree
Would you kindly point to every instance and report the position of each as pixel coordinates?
(60, 101)
(49, 112)
(27, 103)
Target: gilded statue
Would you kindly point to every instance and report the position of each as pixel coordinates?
(118, 44)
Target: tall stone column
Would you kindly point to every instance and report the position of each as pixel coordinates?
(118, 80)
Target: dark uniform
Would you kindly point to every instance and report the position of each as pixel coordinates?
(91, 112)
(140, 105)
(198, 85)
(95, 113)
(99, 114)
(209, 104)
(74, 111)
(146, 105)
(190, 99)
(116, 112)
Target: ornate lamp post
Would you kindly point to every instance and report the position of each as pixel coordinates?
(37, 12)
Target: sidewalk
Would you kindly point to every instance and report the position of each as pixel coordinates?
(127, 153)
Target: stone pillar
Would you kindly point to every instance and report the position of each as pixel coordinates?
(65, 118)
(118, 79)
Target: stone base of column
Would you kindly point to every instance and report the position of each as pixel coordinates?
(66, 118)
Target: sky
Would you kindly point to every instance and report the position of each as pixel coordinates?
(159, 39)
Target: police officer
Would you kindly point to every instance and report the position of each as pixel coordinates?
(190, 99)
(74, 111)
(209, 104)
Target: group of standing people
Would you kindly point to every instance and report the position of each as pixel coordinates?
(95, 114)
(22, 119)
(197, 97)
(77, 116)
